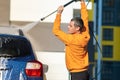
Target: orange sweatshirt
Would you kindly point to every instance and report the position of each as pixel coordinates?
(75, 44)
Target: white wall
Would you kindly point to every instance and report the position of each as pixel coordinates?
(56, 65)
(34, 10)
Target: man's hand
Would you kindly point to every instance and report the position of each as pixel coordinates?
(78, 0)
(60, 9)
(82, 0)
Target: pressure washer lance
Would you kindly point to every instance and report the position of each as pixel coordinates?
(56, 10)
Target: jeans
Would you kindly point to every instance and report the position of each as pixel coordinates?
(84, 75)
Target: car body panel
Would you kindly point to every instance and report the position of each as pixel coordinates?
(15, 52)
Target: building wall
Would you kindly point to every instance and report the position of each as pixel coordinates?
(49, 50)
(110, 39)
(19, 14)
(37, 9)
(4, 12)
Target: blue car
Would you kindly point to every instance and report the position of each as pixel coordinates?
(17, 59)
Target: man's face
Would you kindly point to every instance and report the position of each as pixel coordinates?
(72, 29)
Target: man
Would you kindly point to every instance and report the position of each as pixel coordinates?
(76, 41)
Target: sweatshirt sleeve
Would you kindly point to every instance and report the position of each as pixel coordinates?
(57, 30)
(57, 22)
(84, 15)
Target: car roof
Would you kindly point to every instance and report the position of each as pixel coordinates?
(13, 36)
(16, 42)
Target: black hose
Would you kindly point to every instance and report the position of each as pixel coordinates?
(56, 10)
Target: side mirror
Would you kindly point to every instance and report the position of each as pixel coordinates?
(45, 68)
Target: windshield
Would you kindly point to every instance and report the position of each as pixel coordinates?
(14, 46)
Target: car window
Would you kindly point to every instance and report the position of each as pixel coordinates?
(12, 46)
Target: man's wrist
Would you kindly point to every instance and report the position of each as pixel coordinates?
(82, 1)
(58, 13)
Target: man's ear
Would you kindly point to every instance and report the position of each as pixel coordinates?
(78, 28)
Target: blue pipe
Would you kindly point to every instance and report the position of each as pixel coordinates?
(99, 40)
